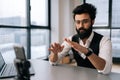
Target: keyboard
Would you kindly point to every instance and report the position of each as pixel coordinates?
(9, 71)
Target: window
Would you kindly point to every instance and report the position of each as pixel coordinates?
(101, 20)
(13, 12)
(40, 33)
(115, 14)
(39, 12)
(108, 22)
(25, 22)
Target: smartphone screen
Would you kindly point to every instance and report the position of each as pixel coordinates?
(19, 52)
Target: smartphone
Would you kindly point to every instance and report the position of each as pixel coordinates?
(19, 52)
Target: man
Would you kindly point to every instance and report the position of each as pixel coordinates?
(90, 49)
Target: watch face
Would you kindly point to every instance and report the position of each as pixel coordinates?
(90, 51)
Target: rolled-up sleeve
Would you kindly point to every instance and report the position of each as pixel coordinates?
(106, 53)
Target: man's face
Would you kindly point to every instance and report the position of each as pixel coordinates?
(83, 25)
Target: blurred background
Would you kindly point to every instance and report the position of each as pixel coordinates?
(36, 24)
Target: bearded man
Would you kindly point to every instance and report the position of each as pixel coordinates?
(89, 48)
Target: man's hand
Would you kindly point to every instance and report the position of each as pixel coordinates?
(76, 46)
(55, 49)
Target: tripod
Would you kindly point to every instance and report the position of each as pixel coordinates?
(22, 68)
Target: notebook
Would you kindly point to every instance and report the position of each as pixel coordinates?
(9, 70)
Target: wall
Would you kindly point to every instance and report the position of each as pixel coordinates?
(62, 24)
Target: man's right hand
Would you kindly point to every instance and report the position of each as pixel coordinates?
(55, 49)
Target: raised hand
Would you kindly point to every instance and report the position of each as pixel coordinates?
(56, 48)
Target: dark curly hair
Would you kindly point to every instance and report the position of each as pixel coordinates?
(85, 8)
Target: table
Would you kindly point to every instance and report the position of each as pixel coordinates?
(45, 71)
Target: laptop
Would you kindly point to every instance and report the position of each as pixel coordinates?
(9, 70)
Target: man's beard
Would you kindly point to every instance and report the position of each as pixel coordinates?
(84, 34)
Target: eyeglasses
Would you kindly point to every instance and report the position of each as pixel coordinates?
(84, 21)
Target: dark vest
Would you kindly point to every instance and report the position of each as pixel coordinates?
(94, 46)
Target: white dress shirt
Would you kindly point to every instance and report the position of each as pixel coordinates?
(105, 52)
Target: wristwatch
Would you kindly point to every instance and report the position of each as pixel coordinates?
(90, 51)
